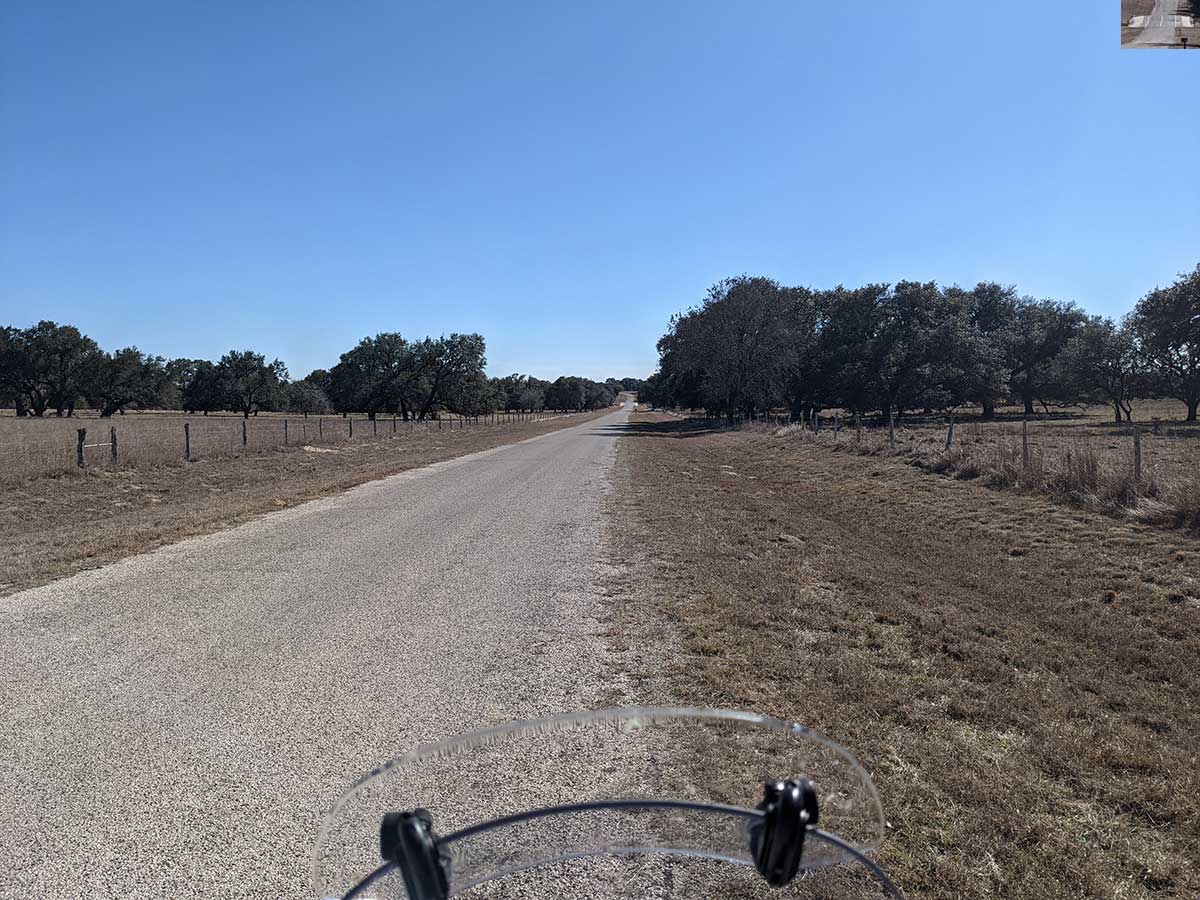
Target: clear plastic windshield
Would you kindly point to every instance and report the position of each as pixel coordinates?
(689, 756)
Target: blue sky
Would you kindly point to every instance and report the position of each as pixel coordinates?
(561, 177)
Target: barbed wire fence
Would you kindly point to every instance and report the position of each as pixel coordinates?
(1126, 463)
(32, 447)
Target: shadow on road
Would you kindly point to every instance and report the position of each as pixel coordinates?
(682, 428)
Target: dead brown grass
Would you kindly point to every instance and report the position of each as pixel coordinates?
(1019, 675)
(55, 526)
(32, 446)
(1080, 459)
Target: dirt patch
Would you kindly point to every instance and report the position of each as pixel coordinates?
(1017, 674)
(53, 527)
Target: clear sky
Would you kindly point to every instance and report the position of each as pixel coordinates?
(561, 176)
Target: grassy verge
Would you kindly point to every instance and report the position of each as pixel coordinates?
(1094, 470)
(1018, 675)
(53, 527)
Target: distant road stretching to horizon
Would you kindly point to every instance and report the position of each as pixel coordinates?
(1160, 25)
(175, 724)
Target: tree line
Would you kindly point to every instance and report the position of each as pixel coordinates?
(753, 344)
(53, 368)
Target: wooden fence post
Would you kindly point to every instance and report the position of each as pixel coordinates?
(393, 423)
(112, 436)
(1137, 454)
(81, 434)
(187, 441)
(350, 420)
(320, 428)
(1025, 444)
(950, 434)
(375, 427)
(243, 434)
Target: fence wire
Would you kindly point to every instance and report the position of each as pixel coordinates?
(31, 446)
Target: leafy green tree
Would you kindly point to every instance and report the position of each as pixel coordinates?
(248, 382)
(843, 368)
(730, 354)
(47, 366)
(992, 310)
(178, 373)
(384, 373)
(201, 388)
(14, 370)
(126, 378)
(567, 392)
(598, 396)
(519, 392)
(1037, 332)
(319, 378)
(451, 368)
(532, 398)
(1101, 364)
(305, 397)
(1166, 326)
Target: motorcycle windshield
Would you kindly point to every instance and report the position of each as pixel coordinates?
(481, 787)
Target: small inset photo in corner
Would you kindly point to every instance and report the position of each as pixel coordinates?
(1160, 24)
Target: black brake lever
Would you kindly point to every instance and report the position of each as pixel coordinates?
(789, 808)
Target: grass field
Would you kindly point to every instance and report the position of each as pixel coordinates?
(38, 446)
(55, 526)
(1018, 674)
(1082, 456)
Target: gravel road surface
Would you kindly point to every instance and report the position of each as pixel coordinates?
(1162, 23)
(176, 724)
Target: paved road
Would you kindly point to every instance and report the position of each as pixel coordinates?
(1162, 22)
(174, 725)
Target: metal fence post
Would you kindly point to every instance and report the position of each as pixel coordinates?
(891, 429)
(374, 426)
(187, 441)
(112, 436)
(350, 420)
(243, 434)
(950, 434)
(81, 434)
(320, 428)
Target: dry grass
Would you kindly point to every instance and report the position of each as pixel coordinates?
(55, 526)
(31, 446)
(1018, 674)
(1081, 459)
